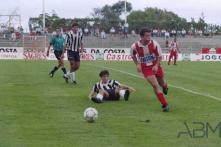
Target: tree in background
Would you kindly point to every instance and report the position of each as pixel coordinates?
(109, 15)
(156, 18)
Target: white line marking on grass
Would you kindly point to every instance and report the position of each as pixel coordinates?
(174, 86)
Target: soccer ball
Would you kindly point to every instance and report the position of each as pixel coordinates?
(90, 114)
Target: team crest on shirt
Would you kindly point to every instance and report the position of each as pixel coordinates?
(148, 59)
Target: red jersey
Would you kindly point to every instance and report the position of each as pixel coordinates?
(147, 54)
(173, 46)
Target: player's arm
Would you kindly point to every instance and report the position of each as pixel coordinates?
(82, 47)
(92, 94)
(49, 46)
(48, 50)
(158, 53)
(123, 86)
(82, 44)
(170, 44)
(159, 59)
(66, 42)
(133, 53)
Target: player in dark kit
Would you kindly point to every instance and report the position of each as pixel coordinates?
(74, 46)
(57, 42)
(109, 90)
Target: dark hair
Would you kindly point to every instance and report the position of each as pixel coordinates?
(75, 24)
(104, 72)
(144, 30)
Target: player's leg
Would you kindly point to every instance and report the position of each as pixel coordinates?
(154, 83)
(99, 98)
(72, 71)
(161, 80)
(52, 72)
(175, 58)
(111, 95)
(124, 93)
(170, 57)
(72, 60)
(61, 65)
(75, 66)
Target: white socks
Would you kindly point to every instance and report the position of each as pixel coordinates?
(122, 93)
(99, 96)
(72, 76)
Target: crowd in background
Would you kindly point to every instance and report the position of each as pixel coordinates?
(121, 30)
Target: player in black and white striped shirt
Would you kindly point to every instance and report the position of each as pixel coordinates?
(109, 89)
(74, 46)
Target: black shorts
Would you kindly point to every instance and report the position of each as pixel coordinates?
(112, 95)
(73, 56)
(58, 54)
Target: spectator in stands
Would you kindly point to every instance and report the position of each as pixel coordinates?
(97, 32)
(133, 33)
(46, 31)
(38, 31)
(155, 33)
(18, 35)
(120, 29)
(179, 33)
(190, 32)
(183, 32)
(163, 31)
(167, 35)
(13, 36)
(173, 33)
(200, 33)
(103, 35)
(112, 31)
(158, 32)
(86, 31)
(126, 26)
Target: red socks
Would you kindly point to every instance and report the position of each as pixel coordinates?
(162, 99)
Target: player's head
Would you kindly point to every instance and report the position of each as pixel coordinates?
(145, 34)
(75, 27)
(58, 31)
(104, 75)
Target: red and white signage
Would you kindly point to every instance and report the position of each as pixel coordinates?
(117, 57)
(87, 56)
(84, 56)
(108, 54)
(34, 55)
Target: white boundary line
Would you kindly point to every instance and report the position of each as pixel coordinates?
(174, 86)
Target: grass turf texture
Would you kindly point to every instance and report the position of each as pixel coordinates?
(37, 111)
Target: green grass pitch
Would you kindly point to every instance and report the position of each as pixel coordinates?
(38, 111)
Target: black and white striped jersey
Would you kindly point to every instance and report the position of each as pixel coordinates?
(74, 40)
(111, 84)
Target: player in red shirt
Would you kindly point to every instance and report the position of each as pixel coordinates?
(146, 54)
(173, 51)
